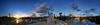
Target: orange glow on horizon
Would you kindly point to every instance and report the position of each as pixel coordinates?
(19, 15)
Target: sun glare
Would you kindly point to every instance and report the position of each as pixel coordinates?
(19, 15)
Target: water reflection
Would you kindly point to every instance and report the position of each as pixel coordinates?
(18, 21)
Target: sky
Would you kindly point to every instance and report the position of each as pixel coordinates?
(64, 6)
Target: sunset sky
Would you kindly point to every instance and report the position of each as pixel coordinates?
(64, 6)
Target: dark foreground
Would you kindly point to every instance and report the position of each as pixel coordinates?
(35, 20)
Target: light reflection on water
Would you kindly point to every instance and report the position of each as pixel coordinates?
(18, 20)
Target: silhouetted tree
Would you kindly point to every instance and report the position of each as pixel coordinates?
(60, 13)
